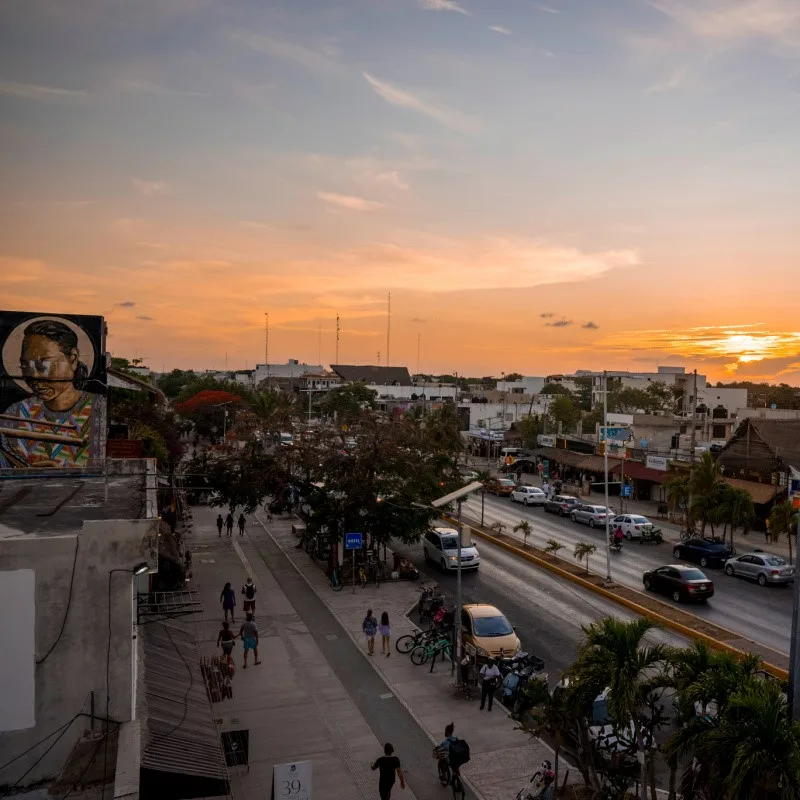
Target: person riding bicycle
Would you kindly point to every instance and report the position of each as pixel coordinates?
(547, 789)
(443, 750)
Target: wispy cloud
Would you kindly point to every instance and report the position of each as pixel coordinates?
(390, 178)
(396, 96)
(559, 323)
(500, 29)
(777, 20)
(125, 304)
(31, 91)
(547, 315)
(149, 187)
(590, 326)
(443, 5)
(145, 318)
(350, 202)
(315, 60)
(675, 79)
(547, 9)
(148, 87)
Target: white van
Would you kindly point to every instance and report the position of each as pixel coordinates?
(440, 547)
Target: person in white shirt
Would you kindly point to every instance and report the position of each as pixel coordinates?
(489, 677)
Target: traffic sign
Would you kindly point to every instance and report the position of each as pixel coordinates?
(545, 468)
(353, 541)
(627, 490)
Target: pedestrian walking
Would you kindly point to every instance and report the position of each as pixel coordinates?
(389, 766)
(249, 592)
(385, 630)
(249, 634)
(227, 639)
(489, 677)
(228, 599)
(370, 628)
(229, 524)
(241, 524)
(766, 530)
(220, 523)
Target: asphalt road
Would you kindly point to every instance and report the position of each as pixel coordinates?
(763, 614)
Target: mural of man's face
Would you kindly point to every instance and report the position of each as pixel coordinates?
(45, 368)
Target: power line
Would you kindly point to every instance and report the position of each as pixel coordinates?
(69, 604)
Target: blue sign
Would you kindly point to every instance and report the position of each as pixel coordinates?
(627, 490)
(643, 444)
(353, 541)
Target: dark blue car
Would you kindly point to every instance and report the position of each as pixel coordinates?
(705, 552)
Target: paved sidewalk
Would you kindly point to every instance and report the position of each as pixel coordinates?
(293, 704)
(503, 758)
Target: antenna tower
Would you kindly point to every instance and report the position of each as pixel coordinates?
(388, 325)
(337, 338)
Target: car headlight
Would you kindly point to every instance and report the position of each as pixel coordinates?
(454, 558)
(481, 652)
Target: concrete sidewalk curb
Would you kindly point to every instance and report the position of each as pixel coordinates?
(661, 619)
(361, 650)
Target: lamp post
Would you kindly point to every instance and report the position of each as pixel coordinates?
(605, 469)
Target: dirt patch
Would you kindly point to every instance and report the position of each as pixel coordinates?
(642, 599)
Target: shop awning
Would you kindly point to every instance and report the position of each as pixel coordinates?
(639, 472)
(567, 458)
(597, 464)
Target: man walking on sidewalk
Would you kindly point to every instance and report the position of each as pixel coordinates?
(389, 765)
(241, 524)
(219, 525)
(489, 676)
(229, 524)
(249, 592)
(249, 634)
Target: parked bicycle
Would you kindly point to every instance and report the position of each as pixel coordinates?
(336, 580)
(405, 644)
(421, 653)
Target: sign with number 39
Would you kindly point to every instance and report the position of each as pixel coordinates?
(292, 781)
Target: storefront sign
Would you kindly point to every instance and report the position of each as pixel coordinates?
(546, 441)
(657, 462)
(292, 781)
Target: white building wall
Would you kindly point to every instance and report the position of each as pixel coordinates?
(500, 416)
(526, 385)
(291, 369)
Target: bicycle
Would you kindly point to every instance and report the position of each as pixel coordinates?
(405, 644)
(449, 776)
(362, 577)
(421, 653)
(336, 580)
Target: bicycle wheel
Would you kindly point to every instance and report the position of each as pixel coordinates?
(405, 644)
(444, 772)
(419, 655)
(458, 787)
(336, 584)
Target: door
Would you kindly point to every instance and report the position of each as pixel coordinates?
(751, 566)
(666, 580)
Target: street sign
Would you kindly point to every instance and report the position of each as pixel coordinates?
(292, 781)
(353, 541)
(545, 468)
(794, 492)
(627, 490)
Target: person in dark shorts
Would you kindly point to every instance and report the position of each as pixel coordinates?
(241, 524)
(249, 592)
(226, 639)
(229, 524)
(228, 599)
(389, 766)
(220, 523)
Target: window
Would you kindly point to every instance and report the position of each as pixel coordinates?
(776, 561)
(717, 431)
(449, 542)
(693, 575)
(492, 626)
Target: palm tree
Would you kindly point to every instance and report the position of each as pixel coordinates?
(274, 410)
(735, 509)
(614, 656)
(485, 477)
(783, 520)
(704, 483)
(552, 546)
(678, 493)
(584, 550)
(523, 527)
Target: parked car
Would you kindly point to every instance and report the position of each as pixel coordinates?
(469, 477)
(762, 567)
(631, 525)
(502, 487)
(440, 547)
(593, 516)
(679, 582)
(561, 504)
(705, 552)
(488, 631)
(528, 496)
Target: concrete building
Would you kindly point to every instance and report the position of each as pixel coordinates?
(524, 386)
(673, 377)
(291, 369)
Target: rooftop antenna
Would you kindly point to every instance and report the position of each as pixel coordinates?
(319, 343)
(337, 338)
(388, 325)
(266, 348)
(379, 357)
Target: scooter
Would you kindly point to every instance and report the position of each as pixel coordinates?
(615, 544)
(651, 535)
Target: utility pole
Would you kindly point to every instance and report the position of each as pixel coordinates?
(605, 467)
(794, 647)
(337, 338)
(419, 337)
(693, 439)
(266, 349)
(388, 326)
(457, 620)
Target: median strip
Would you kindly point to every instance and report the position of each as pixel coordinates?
(676, 619)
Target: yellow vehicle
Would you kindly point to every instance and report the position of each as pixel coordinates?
(486, 629)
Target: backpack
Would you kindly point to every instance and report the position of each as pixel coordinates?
(249, 591)
(459, 753)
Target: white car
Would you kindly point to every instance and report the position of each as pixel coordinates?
(528, 496)
(440, 547)
(631, 525)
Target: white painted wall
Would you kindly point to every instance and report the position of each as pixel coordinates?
(17, 633)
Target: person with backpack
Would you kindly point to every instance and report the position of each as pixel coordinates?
(249, 592)
(220, 523)
(457, 754)
(442, 751)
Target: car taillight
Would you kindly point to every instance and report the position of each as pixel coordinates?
(692, 589)
(775, 572)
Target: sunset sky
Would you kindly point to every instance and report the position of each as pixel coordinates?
(542, 186)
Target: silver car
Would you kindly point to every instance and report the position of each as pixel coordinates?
(593, 516)
(762, 567)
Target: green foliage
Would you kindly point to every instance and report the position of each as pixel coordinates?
(172, 383)
(513, 376)
(584, 550)
(783, 522)
(523, 527)
(552, 546)
(348, 402)
(762, 395)
(656, 398)
(566, 411)
(584, 393)
(529, 428)
(555, 388)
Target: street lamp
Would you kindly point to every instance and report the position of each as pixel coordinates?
(605, 469)
(458, 497)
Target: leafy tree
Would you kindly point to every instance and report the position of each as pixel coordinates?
(529, 429)
(735, 509)
(485, 477)
(348, 402)
(201, 382)
(615, 656)
(584, 393)
(584, 550)
(552, 546)
(660, 398)
(172, 383)
(523, 527)
(593, 419)
(555, 388)
(783, 521)
(512, 377)
(566, 411)
(206, 410)
(705, 484)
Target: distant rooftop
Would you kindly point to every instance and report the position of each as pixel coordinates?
(59, 505)
(380, 376)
